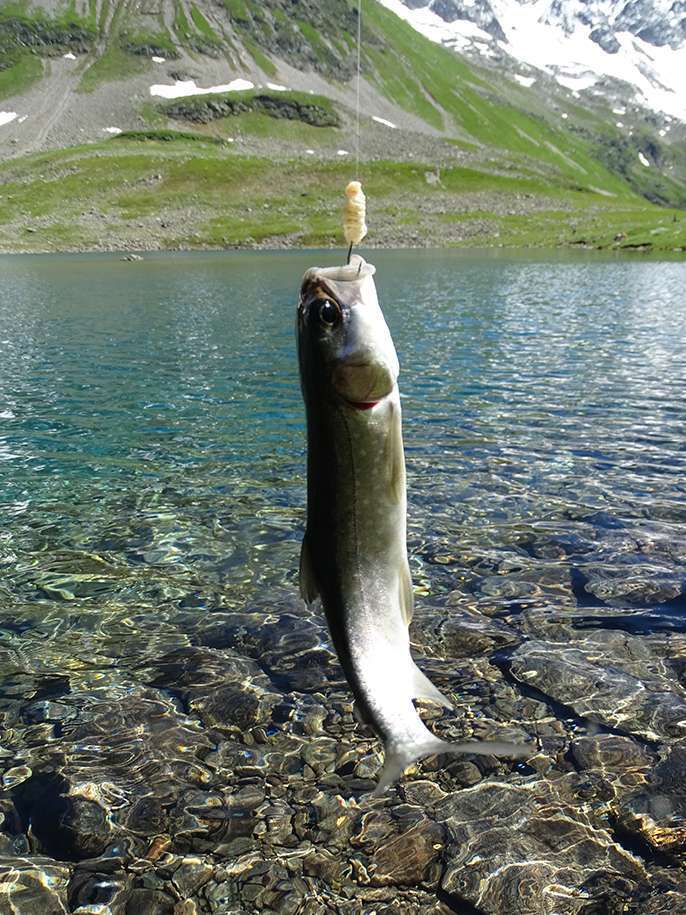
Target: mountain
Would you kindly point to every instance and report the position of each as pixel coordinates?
(191, 122)
(585, 44)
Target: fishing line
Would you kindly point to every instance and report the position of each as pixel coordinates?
(359, 68)
(355, 209)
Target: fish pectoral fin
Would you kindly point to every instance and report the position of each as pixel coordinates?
(406, 593)
(395, 457)
(423, 688)
(308, 586)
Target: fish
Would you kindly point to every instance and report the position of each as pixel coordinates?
(354, 551)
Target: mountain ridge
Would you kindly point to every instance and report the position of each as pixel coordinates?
(639, 42)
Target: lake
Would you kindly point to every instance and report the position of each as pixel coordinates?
(177, 735)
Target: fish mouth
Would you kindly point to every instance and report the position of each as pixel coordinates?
(363, 404)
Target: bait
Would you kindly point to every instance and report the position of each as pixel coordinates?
(354, 214)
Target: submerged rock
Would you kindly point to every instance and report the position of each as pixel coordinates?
(656, 814)
(608, 677)
(33, 887)
(68, 827)
(526, 849)
(90, 888)
(410, 858)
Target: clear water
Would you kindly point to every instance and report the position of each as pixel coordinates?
(152, 490)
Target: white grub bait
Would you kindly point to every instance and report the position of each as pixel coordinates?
(354, 213)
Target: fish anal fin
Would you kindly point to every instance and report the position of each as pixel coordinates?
(308, 585)
(406, 593)
(423, 688)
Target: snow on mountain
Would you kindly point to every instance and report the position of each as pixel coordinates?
(578, 42)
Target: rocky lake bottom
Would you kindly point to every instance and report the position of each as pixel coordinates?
(177, 735)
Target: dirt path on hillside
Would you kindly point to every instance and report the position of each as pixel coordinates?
(47, 104)
(42, 109)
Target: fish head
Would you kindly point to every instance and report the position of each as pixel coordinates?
(344, 346)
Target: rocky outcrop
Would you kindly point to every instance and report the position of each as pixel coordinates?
(203, 109)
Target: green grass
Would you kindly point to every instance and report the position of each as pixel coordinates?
(113, 64)
(22, 28)
(104, 12)
(255, 124)
(26, 69)
(208, 195)
(261, 59)
(148, 43)
(198, 34)
(399, 83)
(181, 24)
(203, 26)
(239, 229)
(642, 228)
(237, 9)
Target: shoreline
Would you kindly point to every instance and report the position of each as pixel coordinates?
(135, 252)
(185, 199)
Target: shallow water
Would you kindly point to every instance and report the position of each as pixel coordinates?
(158, 667)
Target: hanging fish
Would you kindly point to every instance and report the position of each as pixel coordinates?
(354, 554)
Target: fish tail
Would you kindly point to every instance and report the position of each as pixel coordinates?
(397, 759)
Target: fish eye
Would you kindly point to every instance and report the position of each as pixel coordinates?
(328, 312)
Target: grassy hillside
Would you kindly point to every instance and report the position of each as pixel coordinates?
(184, 191)
(517, 173)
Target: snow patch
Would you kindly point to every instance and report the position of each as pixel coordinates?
(619, 110)
(277, 87)
(526, 81)
(185, 87)
(69, 56)
(310, 152)
(424, 20)
(158, 60)
(564, 115)
(643, 160)
(384, 122)
(342, 152)
(568, 54)
(113, 130)
(7, 116)
(577, 82)
(22, 119)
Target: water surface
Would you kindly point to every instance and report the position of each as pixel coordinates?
(152, 499)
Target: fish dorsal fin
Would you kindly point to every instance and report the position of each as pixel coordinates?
(308, 586)
(406, 593)
(423, 688)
